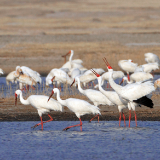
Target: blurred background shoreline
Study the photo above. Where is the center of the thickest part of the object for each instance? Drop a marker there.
(37, 33)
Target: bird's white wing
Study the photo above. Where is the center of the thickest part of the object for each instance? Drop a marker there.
(33, 74)
(140, 76)
(81, 107)
(135, 91)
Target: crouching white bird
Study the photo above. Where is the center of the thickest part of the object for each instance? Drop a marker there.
(40, 103)
(78, 106)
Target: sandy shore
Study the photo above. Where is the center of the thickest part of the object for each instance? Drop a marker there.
(10, 112)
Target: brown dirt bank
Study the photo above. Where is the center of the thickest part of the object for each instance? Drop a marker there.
(10, 112)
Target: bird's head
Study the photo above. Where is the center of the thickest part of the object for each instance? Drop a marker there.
(130, 60)
(15, 99)
(95, 73)
(71, 51)
(110, 69)
(17, 92)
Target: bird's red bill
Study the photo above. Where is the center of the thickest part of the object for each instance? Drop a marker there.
(72, 83)
(53, 78)
(51, 95)
(15, 99)
(106, 62)
(95, 73)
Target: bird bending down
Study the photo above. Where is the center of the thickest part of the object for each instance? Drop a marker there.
(128, 66)
(93, 95)
(138, 77)
(31, 73)
(23, 79)
(113, 97)
(40, 103)
(135, 93)
(78, 106)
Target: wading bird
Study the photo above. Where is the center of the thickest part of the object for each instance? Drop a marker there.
(135, 93)
(93, 95)
(78, 106)
(40, 103)
(113, 97)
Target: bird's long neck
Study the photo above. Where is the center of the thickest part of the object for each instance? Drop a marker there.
(70, 59)
(23, 101)
(115, 86)
(63, 102)
(106, 93)
(79, 87)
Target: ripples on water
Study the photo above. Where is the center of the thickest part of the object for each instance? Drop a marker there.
(104, 140)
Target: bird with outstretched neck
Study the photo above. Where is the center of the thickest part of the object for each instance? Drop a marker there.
(40, 103)
(78, 106)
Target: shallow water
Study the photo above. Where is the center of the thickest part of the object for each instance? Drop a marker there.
(7, 91)
(104, 140)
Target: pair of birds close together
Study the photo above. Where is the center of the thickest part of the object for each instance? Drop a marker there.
(129, 95)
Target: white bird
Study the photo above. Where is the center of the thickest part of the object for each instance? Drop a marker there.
(78, 106)
(24, 79)
(76, 63)
(113, 97)
(135, 93)
(150, 67)
(28, 71)
(40, 103)
(93, 95)
(105, 76)
(60, 76)
(138, 77)
(49, 79)
(88, 76)
(152, 58)
(128, 66)
(75, 72)
(10, 78)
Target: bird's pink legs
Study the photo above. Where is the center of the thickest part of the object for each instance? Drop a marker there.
(119, 119)
(128, 77)
(124, 119)
(74, 126)
(51, 119)
(135, 117)
(129, 117)
(95, 117)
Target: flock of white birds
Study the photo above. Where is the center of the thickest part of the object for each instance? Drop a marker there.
(137, 92)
